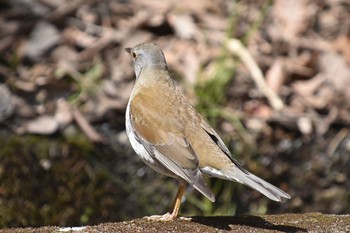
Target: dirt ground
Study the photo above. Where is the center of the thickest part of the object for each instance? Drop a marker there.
(313, 222)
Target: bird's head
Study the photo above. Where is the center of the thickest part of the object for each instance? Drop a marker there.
(147, 55)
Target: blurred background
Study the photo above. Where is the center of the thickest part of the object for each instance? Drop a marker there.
(272, 77)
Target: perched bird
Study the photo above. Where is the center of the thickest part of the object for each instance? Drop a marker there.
(171, 137)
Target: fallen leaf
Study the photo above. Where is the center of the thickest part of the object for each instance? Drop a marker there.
(184, 26)
(42, 125)
(63, 113)
(314, 92)
(305, 125)
(308, 87)
(78, 37)
(337, 71)
(276, 75)
(66, 60)
(342, 44)
(292, 16)
(43, 37)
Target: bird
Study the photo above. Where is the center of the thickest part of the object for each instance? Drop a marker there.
(170, 136)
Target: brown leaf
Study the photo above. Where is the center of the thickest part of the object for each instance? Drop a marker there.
(184, 26)
(314, 92)
(337, 71)
(42, 125)
(276, 75)
(25, 85)
(23, 109)
(342, 44)
(66, 60)
(78, 38)
(292, 16)
(63, 113)
(305, 125)
(105, 103)
(43, 37)
(308, 87)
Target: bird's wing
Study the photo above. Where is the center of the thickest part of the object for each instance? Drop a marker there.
(218, 141)
(242, 175)
(162, 136)
(175, 147)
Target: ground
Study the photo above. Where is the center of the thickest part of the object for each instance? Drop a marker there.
(312, 222)
(271, 77)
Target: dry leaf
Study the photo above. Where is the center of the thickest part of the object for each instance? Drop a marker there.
(314, 92)
(308, 87)
(276, 75)
(342, 44)
(305, 125)
(78, 38)
(184, 26)
(63, 114)
(337, 71)
(292, 16)
(42, 125)
(43, 37)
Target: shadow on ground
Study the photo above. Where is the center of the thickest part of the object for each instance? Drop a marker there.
(229, 223)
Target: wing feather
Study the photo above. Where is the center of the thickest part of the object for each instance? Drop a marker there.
(168, 145)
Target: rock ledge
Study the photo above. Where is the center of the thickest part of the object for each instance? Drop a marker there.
(311, 222)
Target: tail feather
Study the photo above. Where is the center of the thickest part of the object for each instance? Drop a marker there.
(199, 184)
(261, 185)
(249, 179)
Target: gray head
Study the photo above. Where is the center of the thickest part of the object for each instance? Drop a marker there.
(147, 55)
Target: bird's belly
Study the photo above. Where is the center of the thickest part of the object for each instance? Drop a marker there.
(137, 146)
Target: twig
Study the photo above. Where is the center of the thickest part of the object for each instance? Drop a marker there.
(236, 47)
(64, 9)
(339, 138)
(85, 126)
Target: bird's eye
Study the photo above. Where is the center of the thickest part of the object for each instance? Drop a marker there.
(134, 55)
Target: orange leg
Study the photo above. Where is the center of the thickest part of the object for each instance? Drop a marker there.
(177, 201)
(175, 206)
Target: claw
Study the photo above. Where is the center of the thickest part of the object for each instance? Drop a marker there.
(165, 218)
(161, 218)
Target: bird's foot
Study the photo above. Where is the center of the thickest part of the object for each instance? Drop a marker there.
(161, 218)
(165, 218)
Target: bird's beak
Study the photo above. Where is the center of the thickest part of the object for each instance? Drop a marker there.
(128, 50)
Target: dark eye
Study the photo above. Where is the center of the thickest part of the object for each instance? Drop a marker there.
(134, 55)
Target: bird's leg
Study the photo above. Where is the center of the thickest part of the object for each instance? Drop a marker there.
(177, 201)
(175, 206)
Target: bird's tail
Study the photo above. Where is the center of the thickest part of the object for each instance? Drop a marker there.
(259, 184)
(241, 175)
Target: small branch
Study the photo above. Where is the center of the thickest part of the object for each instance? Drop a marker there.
(236, 47)
(337, 140)
(85, 126)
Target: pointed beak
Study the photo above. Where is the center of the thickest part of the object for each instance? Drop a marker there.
(128, 50)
